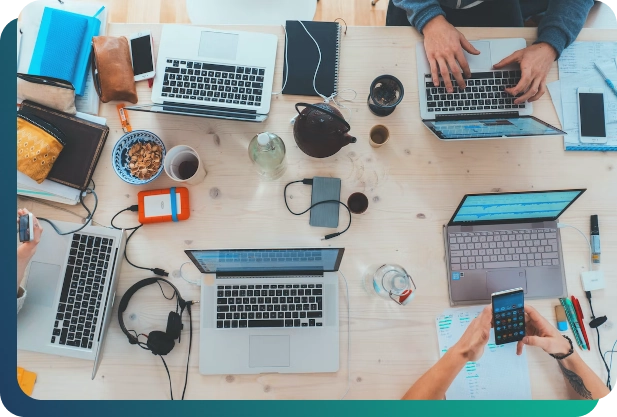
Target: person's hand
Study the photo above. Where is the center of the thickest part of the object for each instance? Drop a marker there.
(535, 62)
(471, 344)
(539, 332)
(444, 48)
(38, 230)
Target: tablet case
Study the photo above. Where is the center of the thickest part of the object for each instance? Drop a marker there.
(325, 215)
(302, 58)
(84, 142)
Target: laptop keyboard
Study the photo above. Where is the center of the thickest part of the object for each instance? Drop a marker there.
(484, 91)
(269, 305)
(200, 81)
(503, 249)
(82, 290)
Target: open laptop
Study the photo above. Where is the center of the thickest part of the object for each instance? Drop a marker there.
(269, 310)
(71, 285)
(212, 73)
(495, 242)
(483, 110)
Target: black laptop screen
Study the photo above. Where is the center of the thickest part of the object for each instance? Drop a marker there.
(266, 260)
(528, 206)
(490, 128)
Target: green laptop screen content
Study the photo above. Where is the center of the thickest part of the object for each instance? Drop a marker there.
(491, 128)
(514, 206)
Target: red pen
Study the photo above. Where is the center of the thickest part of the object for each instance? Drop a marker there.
(580, 317)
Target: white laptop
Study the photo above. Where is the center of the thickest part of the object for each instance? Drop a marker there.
(212, 73)
(71, 286)
(483, 110)
(269, 311)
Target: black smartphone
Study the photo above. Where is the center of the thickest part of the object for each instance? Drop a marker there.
(508, 315)
(26, 228)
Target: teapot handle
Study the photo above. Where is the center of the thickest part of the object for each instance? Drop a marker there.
(328, 112)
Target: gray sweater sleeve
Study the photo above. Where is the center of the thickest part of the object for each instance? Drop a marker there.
(419, 12)
(562, 22)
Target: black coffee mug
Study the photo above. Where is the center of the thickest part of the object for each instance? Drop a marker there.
(357, 203)
(385, 94)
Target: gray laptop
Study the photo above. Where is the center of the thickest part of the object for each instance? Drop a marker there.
(269, 311)
(71, 285)
(495, 242)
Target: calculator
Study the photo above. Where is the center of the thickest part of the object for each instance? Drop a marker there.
(508, 315)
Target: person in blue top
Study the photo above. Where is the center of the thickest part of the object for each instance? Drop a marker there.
(561, 21)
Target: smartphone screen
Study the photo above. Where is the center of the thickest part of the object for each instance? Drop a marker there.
(24, 228)
(509, 316)
(142, 55)
(591, 108)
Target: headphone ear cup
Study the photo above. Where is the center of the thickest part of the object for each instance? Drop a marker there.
(160, 343)
(174, 325)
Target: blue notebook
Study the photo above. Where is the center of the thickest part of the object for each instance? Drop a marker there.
(63, 46)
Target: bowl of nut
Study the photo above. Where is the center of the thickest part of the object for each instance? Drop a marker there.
(138, 157)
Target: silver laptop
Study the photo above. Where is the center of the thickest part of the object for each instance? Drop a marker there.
(483, 110)
(495, 242)
(269, 311)
(212, 73)
(71, 285)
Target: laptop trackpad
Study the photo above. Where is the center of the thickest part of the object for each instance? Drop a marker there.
(42, 284)
(480, 62)
(506, 279)
(269, 351)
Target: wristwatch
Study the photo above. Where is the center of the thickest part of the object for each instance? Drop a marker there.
(571, 351)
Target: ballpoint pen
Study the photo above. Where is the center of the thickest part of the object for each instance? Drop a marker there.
(606, 79)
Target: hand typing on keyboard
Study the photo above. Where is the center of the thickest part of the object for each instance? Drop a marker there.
(535, 62)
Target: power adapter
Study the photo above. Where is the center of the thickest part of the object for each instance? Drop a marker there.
(592, 280)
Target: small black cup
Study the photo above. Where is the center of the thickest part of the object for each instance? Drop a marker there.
(357, 203)
(385, 94)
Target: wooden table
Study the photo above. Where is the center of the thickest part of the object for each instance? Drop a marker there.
(414, 183)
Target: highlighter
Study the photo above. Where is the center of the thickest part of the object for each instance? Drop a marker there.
(595, 239)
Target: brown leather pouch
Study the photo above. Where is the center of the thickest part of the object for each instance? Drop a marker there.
(112, 69)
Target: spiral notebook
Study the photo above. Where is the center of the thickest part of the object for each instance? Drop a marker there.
(302, 58)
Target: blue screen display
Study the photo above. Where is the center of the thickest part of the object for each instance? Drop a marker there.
(514, 206)
(491, 128)
(508, 302)
(318, 260)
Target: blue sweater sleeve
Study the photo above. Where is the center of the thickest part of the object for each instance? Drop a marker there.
(562, 22)
(419, 12)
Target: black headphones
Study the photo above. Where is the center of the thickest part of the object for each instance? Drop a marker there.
(158, 342)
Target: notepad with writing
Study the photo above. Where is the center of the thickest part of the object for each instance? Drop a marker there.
(302, 58)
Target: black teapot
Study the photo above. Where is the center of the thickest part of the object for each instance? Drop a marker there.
(320, 130)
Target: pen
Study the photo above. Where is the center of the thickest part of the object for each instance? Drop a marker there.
(580, 317)
(576, 328)
(595, 239)
(608, 81)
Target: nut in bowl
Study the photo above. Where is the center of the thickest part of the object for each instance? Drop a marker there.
(138, 156)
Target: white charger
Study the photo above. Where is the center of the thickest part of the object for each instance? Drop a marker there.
(592, 280)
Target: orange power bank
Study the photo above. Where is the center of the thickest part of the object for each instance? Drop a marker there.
(157, 206)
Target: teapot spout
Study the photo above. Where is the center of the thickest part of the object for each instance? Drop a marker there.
(349, 139)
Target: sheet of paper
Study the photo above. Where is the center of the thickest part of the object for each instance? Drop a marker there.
(27, 186)
(499, 375)
(576, 69)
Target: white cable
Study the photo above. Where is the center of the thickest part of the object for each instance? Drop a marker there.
(562, 225)
(348, 338)
(187, 280)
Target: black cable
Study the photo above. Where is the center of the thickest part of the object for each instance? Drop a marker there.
(88, 218)
(308, 181)
(171, 392)
(186, 377)
(593, 317)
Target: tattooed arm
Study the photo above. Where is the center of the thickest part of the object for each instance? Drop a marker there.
(581, 381)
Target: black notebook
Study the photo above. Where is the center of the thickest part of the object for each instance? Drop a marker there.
(302, 58)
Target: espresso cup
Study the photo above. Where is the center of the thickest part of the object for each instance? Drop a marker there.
(378, 136)
(183, 164)
(357, 203)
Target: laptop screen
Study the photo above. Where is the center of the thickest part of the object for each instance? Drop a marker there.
(502, 127)
(266, 260)
(522, 207)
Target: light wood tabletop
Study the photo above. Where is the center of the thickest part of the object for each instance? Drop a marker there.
(414, 183)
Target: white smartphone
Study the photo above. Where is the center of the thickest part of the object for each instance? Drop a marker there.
(591, 115)
(142, 55)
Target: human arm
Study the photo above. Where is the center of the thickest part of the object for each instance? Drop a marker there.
(581, 381)
(26, 250)
(470, 347)
(558, 28)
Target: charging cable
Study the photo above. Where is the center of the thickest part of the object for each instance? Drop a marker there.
(87, 220)
(134, 208)
(309, 181)
(595, 322)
